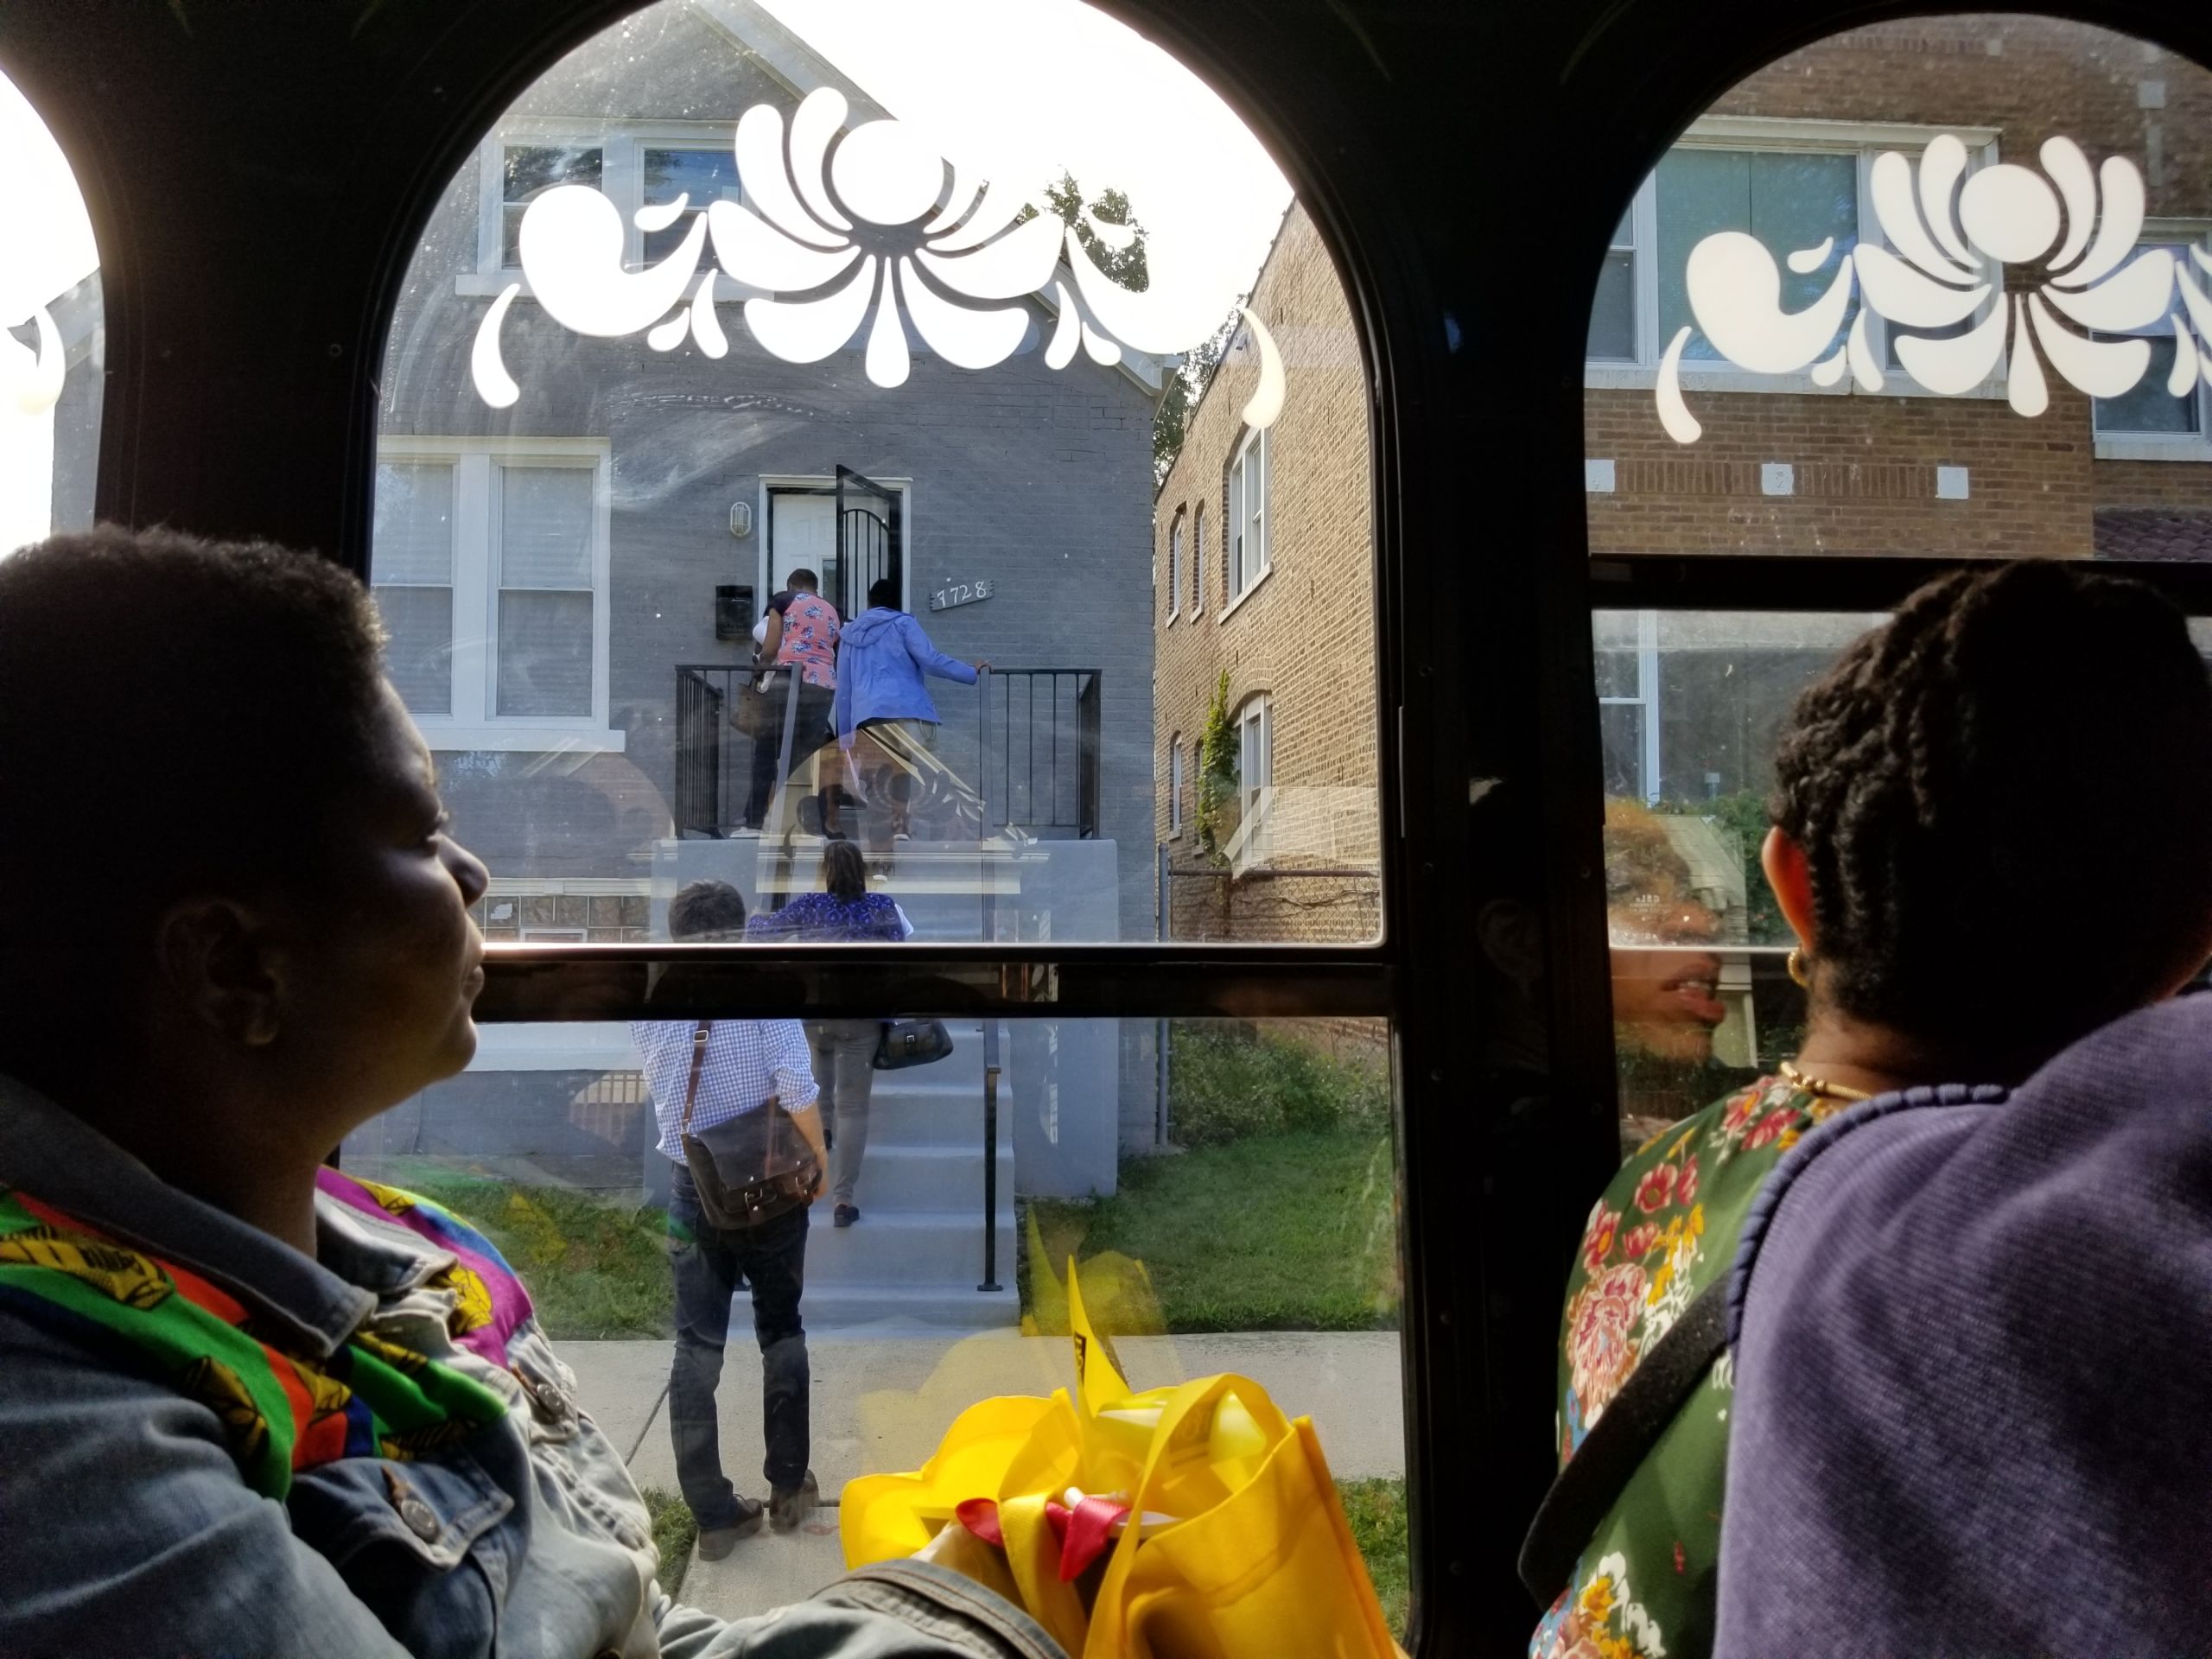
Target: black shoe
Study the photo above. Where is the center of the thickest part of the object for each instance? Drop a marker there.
(787, 1510)
(716, 1542)
(846, 1215)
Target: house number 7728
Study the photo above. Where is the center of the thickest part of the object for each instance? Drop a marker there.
(959, 592)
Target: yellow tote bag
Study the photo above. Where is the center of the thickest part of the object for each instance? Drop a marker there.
(1269, 1569)
(880, 1517)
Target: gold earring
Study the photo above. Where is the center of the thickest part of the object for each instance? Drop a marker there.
(1799, 969)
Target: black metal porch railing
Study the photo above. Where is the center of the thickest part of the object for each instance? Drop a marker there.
(1027, 741)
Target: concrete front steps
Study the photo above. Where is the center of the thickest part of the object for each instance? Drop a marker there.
(914, 1259)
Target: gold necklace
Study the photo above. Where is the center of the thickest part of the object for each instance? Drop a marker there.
(1822, 1086)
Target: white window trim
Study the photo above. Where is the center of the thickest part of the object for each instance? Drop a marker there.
(621, 179)
(909, 542)
(1865, 139)
(1253, 438)
(2165, 446)
(472, 725)
(1176, 551)
(1175, 786)
(1647, 699)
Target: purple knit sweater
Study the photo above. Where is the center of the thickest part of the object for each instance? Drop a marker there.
(1973, 1400)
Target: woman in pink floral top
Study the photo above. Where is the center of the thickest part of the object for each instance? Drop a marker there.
(1940, 940)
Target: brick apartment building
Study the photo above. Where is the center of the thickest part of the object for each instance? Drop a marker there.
(1783, 465)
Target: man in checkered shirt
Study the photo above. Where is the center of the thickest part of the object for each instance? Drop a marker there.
(747, 1061)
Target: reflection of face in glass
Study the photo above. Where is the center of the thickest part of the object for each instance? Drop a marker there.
(1664, 984)
(1664, 1000)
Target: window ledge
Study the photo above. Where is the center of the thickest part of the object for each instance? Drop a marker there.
(522, 738)
(1629, 377)
(2120, 447)
(1258, 582)
(1170, 622)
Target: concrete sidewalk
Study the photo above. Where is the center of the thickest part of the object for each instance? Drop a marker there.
(883, 1397)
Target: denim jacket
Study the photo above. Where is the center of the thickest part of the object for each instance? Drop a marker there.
(127, 1527)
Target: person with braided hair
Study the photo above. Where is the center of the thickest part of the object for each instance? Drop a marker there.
(1943, 796)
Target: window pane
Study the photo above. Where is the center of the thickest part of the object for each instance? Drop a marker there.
(1618, 674)
(1620, 727)
(56, 343)
(1790, 202)
(704, 175)
(1282, 1141)
(414, 523)
(545, 654)
(622, 530)
(529, 170)
(545, 527)
(1771, 437)
(1612, 317)
(2150, 407)
(419, 655)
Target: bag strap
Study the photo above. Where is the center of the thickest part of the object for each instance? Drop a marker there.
(698, 1061)
(1587, 1489)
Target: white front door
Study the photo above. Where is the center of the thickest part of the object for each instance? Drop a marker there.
(802, 535)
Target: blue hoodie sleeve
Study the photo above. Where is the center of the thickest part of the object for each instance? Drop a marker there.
(931, 660)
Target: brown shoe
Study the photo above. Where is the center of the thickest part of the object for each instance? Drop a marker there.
(845, 1215)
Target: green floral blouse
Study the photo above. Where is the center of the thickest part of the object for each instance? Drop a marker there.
(1665, 1230)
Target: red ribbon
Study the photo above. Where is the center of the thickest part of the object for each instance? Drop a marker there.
(1084, 1532)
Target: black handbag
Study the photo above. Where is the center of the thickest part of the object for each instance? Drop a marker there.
(750, 1168)
(910, 1042)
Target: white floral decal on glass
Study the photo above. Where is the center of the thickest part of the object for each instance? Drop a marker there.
(871, 228)
(1951, 235)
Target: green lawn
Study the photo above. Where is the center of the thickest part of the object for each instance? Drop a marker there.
(1286, 1231)
(675, 1531)
(1376, 1510)
(595, 1269)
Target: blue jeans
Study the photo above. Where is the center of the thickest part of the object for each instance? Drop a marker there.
(708, 1266)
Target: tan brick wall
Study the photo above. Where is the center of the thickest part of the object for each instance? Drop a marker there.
(1303, 634)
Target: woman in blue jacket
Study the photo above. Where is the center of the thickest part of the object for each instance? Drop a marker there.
(882, 656)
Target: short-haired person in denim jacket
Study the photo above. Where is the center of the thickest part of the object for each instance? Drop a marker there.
(249, 1405)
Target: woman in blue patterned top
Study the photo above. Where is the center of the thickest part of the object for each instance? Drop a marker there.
(844, 1050)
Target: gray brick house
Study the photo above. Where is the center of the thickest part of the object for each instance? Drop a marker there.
(553, 572)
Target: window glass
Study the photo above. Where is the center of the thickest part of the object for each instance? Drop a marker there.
(1937, 286)
(53, 335)
(695, 175)
(1788, 201)
(1612, 316)
(527, 172)
(1701, 999)
(414, 589)
(752, 287)
(1175, 565)
(1240, 1217)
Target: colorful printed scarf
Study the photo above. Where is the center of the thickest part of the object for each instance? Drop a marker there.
(281, 1412)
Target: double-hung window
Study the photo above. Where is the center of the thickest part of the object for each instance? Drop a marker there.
(638, 166)
(695, 172)
(526, 170)
(1628, 716)
(1247, 537)
(1802, 189)
(1175, 565)
(2149, 422)
(490, 565)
